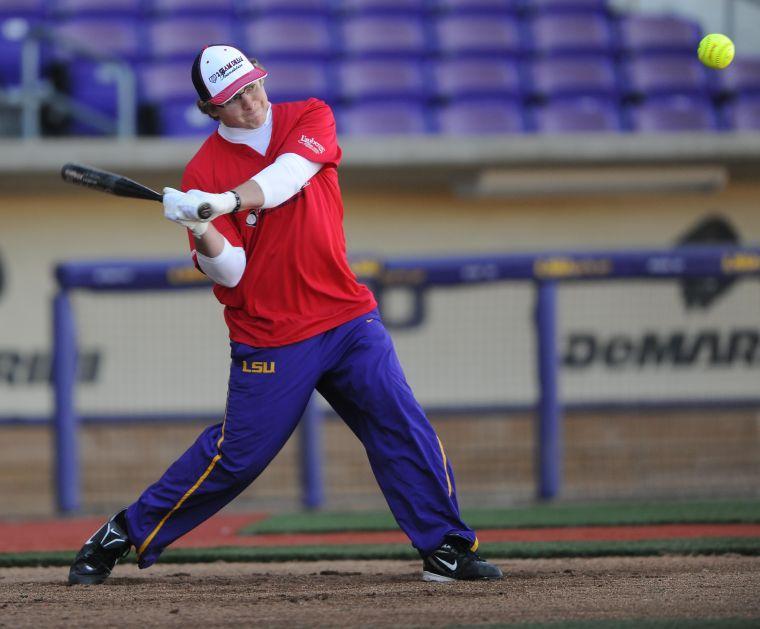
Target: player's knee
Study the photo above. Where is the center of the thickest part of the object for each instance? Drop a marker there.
(241, 472)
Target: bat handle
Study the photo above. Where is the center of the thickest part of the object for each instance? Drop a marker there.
(204, 210)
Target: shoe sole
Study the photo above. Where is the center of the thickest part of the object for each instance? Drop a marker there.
(436, 578)
(87, 579)
(439, 578)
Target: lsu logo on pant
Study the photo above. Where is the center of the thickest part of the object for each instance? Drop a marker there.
(258, 366)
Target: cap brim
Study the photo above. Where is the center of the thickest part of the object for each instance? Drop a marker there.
(233, 88)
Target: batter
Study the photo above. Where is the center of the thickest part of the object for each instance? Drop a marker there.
(298, 321)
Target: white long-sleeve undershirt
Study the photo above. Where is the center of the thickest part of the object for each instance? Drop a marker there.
(285, 177)
(227, 268)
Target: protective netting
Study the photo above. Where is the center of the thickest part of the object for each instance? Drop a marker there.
(661, 399)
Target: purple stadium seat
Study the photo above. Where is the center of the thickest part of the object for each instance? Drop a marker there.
(571, 33)
(288, 36)
(377, 6)
(477, 6)
(741, 77)
(120, 36)
(578, 115)
(675, 113)
(383, 118)
(478, 34)
(744, 114)
(573, 76)
(658, 33)
(269, 7)
(474, 117)
(182, 119)
(23, 8)
(375, 78)
(72, 7)
(10, 60)
(92, 84)
(567, 5)
(298, 80)
(218, 7)
(665, 74)
(184, 37)
(159, 82)
(492, 76)
(384, 34)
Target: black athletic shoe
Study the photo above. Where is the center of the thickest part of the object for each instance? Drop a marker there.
(457, 560)
(101, 552)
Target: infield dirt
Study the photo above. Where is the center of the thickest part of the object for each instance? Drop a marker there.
(384, 593)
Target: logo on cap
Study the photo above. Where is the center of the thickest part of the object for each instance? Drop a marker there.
(229, 68)
(220, 71)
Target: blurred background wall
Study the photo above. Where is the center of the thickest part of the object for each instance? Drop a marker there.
(619, 186)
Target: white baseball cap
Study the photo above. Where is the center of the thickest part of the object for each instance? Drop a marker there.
(220, 72)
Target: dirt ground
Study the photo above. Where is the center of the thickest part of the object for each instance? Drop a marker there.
(384, 593)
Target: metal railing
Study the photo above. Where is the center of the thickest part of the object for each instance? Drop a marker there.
(36, 92)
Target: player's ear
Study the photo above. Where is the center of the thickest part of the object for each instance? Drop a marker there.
(207, 108)
(256, 64)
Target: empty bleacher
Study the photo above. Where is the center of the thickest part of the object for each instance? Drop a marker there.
(403, 66)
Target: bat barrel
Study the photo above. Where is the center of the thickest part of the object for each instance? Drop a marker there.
(107, 182)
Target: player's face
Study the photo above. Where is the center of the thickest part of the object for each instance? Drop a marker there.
(247, 109)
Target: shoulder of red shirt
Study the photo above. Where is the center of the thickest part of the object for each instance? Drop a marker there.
(312, 110)
(196, 174)
(310, 105)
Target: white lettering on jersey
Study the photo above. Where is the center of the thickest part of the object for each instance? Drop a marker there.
(312, 144)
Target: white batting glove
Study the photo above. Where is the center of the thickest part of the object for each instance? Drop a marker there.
(197, 227)
(223, 203)
(179, 207)
(184, 206)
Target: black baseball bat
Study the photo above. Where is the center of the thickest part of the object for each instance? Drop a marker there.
(116, 184)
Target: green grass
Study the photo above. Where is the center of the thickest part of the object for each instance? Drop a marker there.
(501, 550)
(717, 511)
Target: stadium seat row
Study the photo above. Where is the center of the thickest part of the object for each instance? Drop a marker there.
(557, 77)
(66, 7)
(490, 116)
(515, 64)
(393, 39)
(362, 80)
(385, 35)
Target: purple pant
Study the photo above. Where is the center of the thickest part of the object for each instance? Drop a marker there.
(355, 368)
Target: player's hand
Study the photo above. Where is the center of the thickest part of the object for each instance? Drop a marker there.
(223, 203)
(182, 208)
(185, 205)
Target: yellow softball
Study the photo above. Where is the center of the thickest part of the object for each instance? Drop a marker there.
(716, 51)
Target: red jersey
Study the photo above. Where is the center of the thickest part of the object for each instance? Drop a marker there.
(297, 282)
